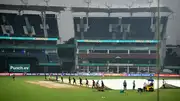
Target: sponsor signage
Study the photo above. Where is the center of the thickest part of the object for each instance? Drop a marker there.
(114, 64)
(87, 74)
(118, 41)
(19, 68)
(28, 74)
(168, 75)
(34, 74)
(113, 74)
(16, 74)
(4, 74)
(70, 74)
(41, 73)
(140, 75)
(95, 74)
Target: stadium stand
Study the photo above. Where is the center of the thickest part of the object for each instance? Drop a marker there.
(103, 46)
(53, 57)
(29, 26)
(172, 58)
(126, 28)
(89, 57)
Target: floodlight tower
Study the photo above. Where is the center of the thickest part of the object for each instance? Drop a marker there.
(43, 13)
(88, 2)
(130, 6)
(109, 8)
(150, 2)
(152, 15)
(47, 2)
(24, 2)
(126, 27)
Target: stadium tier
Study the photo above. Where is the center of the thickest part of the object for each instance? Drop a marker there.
(117, 58)
(27, 25)
(172, 57)
(126, 28)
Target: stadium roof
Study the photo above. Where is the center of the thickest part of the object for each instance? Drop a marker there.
(121, 10)
(31, 8)
(82, 9)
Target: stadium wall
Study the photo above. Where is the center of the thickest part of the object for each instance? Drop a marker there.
(20, 61)
(6, 61)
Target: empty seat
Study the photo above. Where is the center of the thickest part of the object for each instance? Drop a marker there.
(53, 57)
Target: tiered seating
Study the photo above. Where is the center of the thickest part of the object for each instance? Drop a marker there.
(33, 21)
(98, 27)
(172, 57)
(13, 53)
(40, 55)
(28, 25)
(53, 58)
(42, 58)
(53, 26)
(141, 28)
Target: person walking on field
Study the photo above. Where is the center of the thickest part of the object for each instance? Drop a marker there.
(62, 79)
(69, 80)
(144, 86)
(102, 84)
(87, 83)
(13, 77)
(93, 84)
(125, 84)
(74, 81)
(97, 84)
(164, 83)
(134, 85)
(56, 77)
(80, 81)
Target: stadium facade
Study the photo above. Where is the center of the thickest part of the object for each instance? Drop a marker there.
(113, 44)
(26, 43)
(103, 44)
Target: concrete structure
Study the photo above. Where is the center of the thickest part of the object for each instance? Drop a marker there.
(172, 29)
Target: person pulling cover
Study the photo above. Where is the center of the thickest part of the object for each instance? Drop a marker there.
(87, 83)
(134, 85)
(164, 83)
(125, 84)
(80, 81)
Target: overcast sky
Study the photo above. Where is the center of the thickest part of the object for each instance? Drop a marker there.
(173, 28)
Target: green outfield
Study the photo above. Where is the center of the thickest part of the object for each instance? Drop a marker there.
(19, 90)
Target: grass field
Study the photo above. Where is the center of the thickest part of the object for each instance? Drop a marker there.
(19, 90)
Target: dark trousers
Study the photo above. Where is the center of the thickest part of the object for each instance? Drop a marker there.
(124, 87)
(133, 87)
(144, 88)
(164, 86)
(93, 86)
